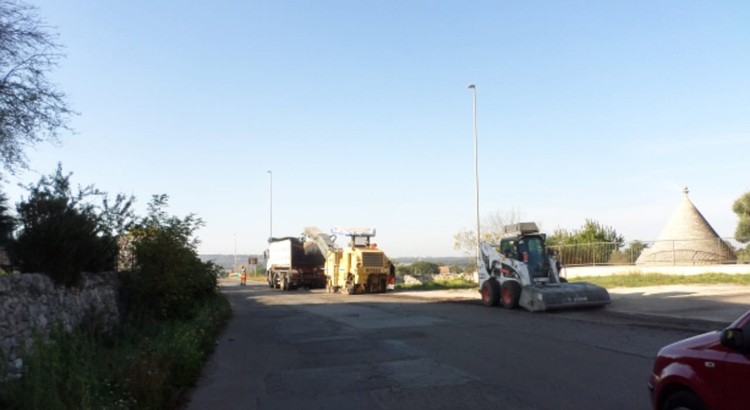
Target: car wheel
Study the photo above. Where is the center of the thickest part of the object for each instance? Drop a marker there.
(683, 400)
(490, 292)
(510, 294)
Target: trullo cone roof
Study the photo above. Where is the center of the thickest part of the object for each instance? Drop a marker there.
(688, 239)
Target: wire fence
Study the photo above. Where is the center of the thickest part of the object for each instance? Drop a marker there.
(670, 252)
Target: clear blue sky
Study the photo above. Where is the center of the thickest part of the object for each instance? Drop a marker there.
(590, 109)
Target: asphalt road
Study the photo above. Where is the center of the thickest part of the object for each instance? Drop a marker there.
(312, 350)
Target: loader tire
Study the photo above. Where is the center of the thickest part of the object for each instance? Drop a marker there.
(490, 292)
(510, 294)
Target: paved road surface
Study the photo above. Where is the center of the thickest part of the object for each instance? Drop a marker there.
(312, 350)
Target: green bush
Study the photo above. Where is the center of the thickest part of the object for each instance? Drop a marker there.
(61, 233)
(169, 276)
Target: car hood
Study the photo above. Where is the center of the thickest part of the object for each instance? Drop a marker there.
(706, 341)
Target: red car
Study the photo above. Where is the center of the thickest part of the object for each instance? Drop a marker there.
(708, 371)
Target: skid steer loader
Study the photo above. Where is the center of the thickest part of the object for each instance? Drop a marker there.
(520, 271)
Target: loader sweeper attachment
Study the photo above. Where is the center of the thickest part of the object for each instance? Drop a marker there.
(521, 272)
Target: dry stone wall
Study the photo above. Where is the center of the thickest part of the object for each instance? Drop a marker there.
(32, 303)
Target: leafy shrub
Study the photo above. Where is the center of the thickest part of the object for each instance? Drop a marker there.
(169, 276)
(63, 234)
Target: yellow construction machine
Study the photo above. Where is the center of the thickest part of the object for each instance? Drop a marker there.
(358, 267)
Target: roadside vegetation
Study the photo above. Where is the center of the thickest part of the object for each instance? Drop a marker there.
(142, 366)
(657, 279)
(455, 283)
(172, 311)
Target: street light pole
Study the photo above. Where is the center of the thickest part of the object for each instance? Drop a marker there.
(270, 204)
(476, 164)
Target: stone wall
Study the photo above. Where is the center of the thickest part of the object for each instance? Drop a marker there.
(31, 302)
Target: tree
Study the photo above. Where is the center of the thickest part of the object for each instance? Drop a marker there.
(425, 268)
(492, 229)
(32, 109)
(7, 225)
(599, 243)
(170, 279)
(403, 270)
(634, 250)
(628, 255)
(741, 207)
(63, 233)
(455, 268)
(7, 222)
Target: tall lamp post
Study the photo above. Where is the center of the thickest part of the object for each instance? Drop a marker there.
(270, 204)
(235, 254)
(476, 164)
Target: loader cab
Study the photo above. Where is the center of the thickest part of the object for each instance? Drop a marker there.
(360, 241)
(528, 249)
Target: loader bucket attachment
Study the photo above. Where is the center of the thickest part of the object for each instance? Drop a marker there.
(541, 297)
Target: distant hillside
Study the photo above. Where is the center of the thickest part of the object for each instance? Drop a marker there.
(442, 261)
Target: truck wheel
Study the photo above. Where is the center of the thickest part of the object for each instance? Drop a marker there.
(510, 294)
(490, 292)
(269, 279)
(683, 400)
(285, 283)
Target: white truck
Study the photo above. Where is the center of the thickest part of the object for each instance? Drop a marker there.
(292, 263)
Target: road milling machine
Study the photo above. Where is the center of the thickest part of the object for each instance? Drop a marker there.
(358, 267)
(522, 271)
